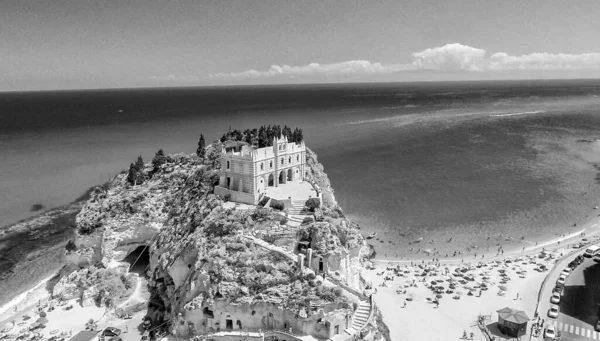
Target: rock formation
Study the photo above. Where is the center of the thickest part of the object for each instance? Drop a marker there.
(207, 269)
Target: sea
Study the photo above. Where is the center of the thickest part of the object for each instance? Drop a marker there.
(439, 165)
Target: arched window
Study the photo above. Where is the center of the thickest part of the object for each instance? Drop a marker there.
(262, 166)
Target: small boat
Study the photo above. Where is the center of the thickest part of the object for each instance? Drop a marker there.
(418, 240)
(372, 235)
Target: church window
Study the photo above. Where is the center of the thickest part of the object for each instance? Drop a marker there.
(262, 166)
(271, 164)
(228, 165)
(290, 159)
(298, 158)
(282, 161)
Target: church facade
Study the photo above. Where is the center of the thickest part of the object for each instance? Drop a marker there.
(247, 172)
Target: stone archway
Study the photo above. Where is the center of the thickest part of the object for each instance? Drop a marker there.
(271, 180)
(290, 175)
(282, 177)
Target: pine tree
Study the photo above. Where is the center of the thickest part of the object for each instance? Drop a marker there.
(287, 132)
(300, 136)
(139, 164)
(132, 175)
(140, 175)
(201, 147)
(159, 159)
(262, 137)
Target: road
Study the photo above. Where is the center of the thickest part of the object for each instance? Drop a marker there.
(579, 303)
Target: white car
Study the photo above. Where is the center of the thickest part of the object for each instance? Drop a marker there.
(566, 272)
(561, 280)
(553, 311)
(555, 298)
(550, 332)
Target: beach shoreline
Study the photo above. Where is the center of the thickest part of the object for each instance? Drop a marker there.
(590, 228)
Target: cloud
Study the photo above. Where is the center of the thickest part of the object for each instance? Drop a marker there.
(453, 57)
(347, 68)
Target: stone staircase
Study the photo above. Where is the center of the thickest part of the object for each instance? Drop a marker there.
(361, 315)
(295, 215)
(297, 206)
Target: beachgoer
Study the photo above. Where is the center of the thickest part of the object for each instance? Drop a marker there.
(404, 304)
(472, 335)
(464, 335)
(517, 296)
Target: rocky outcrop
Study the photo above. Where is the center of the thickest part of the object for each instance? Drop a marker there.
(205, 269)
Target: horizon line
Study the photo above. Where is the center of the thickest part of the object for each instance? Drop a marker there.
(167, 87)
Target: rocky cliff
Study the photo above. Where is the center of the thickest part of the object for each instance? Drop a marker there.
(204, 256)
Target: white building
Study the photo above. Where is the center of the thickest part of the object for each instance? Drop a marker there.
(246, 171)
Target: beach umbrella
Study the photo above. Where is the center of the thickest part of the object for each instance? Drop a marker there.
(35, 325)
(460, 293)
(439, 296)
(42, 320)
(42, 314)
(503, 287)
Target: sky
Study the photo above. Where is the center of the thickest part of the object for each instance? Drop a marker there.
(80, 44)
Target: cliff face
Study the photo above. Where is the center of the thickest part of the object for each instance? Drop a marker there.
(206, 264)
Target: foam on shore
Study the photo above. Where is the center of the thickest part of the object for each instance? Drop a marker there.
(33, 293)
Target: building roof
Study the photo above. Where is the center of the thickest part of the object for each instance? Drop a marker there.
(85, 335)
(513, 315)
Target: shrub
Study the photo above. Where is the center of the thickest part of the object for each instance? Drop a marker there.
(71, 246)
(263, 201)
(312, 203)
(277, 205)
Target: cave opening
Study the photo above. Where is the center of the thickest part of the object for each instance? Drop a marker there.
(208, 313)
(139, 259)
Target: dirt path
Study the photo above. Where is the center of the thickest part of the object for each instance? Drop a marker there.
(135, 296)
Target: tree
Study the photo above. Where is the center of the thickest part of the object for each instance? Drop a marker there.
(262, 137)
(139, 164)
(201, 147)
(159, 159)
(140, 174)
(287, 132)
(297, 135)
(132, 175)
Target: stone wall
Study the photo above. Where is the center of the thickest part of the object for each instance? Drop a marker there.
(266, 316)
(245, 198)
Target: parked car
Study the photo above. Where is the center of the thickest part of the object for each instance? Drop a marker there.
(562, 279)
(555, 298)
(566, 272)
(110, 333)
(573, 265)
(553, 311)
(145, 335)
(550, 332)
(558, 288)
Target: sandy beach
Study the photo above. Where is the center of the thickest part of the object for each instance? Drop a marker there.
(512, 279)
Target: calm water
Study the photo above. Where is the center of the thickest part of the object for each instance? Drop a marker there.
(407, 160)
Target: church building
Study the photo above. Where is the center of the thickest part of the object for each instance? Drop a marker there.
(246, 172)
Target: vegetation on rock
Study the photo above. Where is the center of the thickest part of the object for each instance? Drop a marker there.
(263, 136)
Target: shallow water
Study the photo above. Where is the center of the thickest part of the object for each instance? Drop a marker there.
(429, 160)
